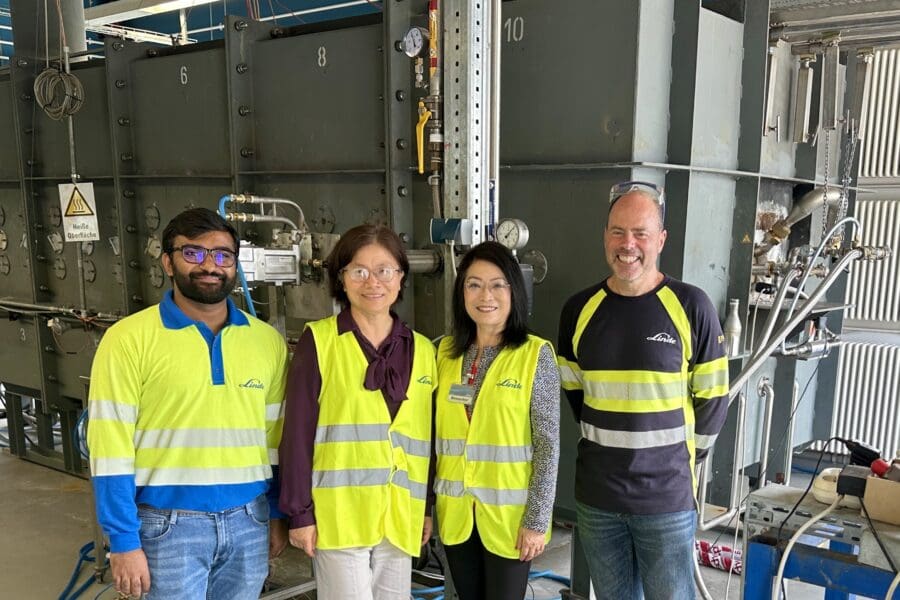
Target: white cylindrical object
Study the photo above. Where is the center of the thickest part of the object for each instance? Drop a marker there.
(732, 329)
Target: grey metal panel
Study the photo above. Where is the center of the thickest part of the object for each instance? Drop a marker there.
(653, 70)
(180, 128)
(8, 155)
(49, 145)
(19, 354)
(17, 284)
(569, 82)
(717, 111)
(311, 117)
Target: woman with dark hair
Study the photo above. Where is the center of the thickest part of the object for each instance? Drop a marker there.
(497, 431)
(356, 447)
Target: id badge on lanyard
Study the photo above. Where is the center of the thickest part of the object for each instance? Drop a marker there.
(461, 393)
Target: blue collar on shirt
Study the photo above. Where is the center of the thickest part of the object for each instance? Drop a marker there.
(174, 318)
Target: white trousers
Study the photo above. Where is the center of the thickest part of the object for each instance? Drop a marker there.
(379, 573)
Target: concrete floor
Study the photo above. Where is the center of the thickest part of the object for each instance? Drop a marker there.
(45, 519)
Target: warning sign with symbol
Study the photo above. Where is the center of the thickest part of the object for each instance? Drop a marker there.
(79, 212)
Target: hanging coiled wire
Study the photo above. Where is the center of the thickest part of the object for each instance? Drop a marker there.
(60, 94)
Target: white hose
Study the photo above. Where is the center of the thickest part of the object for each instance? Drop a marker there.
(776, 590)
(893, 588)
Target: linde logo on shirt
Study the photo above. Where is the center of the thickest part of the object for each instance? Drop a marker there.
(663, 337)
(424, 379)
(510, 383)
(253, 383)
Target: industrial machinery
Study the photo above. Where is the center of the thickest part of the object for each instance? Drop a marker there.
(297, 133)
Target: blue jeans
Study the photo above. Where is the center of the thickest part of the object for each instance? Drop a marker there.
(626, 553)
(213, 556)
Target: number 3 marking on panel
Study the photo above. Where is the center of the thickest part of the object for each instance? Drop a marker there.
(184, 78)
(323, 57)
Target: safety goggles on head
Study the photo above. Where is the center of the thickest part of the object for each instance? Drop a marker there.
(223, 257)
(656, 192)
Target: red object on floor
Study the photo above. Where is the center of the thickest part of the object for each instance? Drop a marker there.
(719, 557)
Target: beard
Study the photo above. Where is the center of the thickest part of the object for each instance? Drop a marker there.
(203, 293)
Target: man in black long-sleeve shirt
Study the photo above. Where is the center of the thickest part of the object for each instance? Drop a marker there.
(644, 369)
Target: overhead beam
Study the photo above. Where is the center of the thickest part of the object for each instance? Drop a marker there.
(125, 10)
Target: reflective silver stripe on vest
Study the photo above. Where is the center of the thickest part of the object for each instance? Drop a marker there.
(416, 490)
(111, 466)
(455, 489)
(410, 445)
(351, 433)
(349, 477)
(450, 447)
(112, 410)
(633, 439)
(704, 442)
(449, 487)
(499, 497)
(635, 391)
(498, 454)
(201, 475)
(199, 438)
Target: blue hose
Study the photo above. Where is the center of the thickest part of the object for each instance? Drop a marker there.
(83, 557)
(549, 575)
(222, 202)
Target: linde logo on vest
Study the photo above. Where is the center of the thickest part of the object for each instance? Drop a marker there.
(424, 379)
(255, 384)
(510, 383)
(663, 337)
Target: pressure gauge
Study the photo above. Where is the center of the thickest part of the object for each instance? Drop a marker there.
(3, 240)
(154, 247)
(90, 271)
(414, 42)
(512, 233)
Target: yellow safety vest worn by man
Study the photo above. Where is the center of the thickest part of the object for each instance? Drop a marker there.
(485, 463)
(369, 474)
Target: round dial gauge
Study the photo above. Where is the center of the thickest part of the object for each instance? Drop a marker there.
(512, 233)
(154, 247)
(414, 42)
(3, 240)
(538, 263)
(157, 277)
(90, 271)
(151, 217)
(59, 268)
(87, 247)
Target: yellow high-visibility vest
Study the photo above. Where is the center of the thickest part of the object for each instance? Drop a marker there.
(485, 463)
(369, 475)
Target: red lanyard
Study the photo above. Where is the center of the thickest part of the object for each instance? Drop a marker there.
(470, 378)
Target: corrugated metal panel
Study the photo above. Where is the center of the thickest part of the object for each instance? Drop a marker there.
(868, 387)
(880, 150)
(874, 288)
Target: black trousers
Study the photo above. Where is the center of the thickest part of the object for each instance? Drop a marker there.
(480, 575)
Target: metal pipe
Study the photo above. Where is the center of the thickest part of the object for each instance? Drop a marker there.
(79, 256)
(494, 170)
(14, 306)
(254, 218)
(789, 443)
(308, 11)
(736, 480)
(776, 305)
(251, 199)
(424, 261)
(182, 21)
(760, 357)
(767, 392)
(816, 254)
(802, 208)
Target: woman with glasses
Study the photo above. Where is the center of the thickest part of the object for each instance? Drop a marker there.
(356, 447)
(497, 431)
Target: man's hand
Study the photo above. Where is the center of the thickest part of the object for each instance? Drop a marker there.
(278, 537)
(305, 538)
(427, 528)
(530, 543)
(130, 573)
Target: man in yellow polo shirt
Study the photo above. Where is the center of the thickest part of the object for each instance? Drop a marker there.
(185, 419)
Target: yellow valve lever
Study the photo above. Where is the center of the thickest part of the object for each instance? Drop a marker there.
(424, 115)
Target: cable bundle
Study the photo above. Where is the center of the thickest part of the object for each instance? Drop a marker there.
(60, 94)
